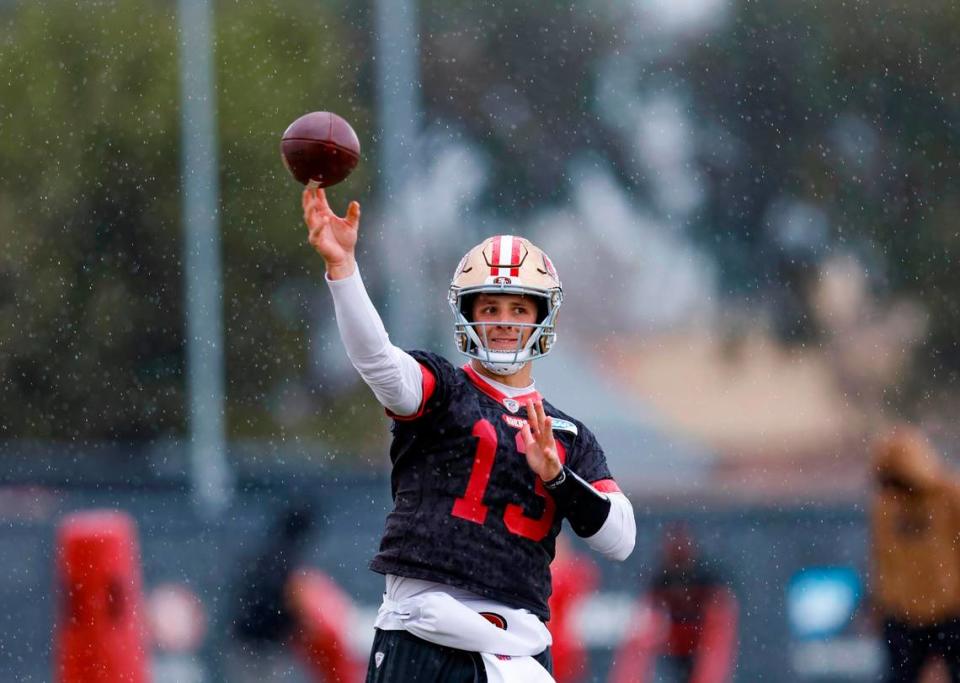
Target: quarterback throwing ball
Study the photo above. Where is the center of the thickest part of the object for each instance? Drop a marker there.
(484, 469)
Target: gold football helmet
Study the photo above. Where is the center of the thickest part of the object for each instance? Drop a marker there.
(505, 264)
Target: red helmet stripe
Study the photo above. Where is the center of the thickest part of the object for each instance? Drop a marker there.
(515, 258)
(495, 257)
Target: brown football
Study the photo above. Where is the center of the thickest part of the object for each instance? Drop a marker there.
(320, 148)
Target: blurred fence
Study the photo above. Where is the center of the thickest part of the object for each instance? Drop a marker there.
(759, 547)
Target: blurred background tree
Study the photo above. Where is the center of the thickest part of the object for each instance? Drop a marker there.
(771, 136)
(92, 340)
(92, 301)
(843, 120)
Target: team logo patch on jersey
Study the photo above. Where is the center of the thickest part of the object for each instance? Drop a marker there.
(495, 619)
(378, 659)
(512, 405)
(564, 426)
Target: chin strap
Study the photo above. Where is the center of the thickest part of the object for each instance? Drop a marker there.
(503, 369)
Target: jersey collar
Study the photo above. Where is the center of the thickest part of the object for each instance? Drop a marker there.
(513, 403)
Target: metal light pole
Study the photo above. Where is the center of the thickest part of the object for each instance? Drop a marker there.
(398, 115)
(210, 475)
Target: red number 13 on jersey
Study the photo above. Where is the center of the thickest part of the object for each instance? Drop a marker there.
(470, 506)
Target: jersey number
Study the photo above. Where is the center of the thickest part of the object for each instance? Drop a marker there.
(470, 506)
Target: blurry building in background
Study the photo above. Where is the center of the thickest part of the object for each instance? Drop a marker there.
(781, 419)
(644, 453)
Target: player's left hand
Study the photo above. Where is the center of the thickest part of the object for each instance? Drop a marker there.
(541, 448)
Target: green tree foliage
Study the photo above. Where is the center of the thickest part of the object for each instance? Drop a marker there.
(91, 302)
(520, 79)
(278, 60)
(91, 331)
(849, 107)
(853, 107)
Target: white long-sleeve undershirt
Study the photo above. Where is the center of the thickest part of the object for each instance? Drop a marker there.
(392, 373)
(618, 535)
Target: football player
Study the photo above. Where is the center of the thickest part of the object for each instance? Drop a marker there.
(484, 469)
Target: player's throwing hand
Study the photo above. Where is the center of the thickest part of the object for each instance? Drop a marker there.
(541, 449)
(334, 238)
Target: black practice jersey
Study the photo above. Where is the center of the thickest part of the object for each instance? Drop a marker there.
(468, 510)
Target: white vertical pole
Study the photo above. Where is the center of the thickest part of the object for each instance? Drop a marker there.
(210, 476)
(398, 115)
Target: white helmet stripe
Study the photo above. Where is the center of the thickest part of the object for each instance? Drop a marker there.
(515, 257)
(506, 249)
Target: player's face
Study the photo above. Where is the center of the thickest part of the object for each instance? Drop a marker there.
(501, 313)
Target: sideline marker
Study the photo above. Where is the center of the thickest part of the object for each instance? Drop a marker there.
(100, 635)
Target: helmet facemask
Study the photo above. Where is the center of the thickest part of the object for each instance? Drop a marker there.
(524, 270)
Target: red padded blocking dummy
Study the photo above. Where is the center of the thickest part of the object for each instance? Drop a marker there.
(100, 635)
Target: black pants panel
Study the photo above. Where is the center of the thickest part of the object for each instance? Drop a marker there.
(909, 648)
(404, 658)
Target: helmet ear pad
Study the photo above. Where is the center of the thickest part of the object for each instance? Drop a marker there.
(545, 341)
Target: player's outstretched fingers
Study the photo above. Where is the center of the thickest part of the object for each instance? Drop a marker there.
(353, 215)
(527, 437)
(533, 419)
(309, 208)
(322, 200)
(545, 422)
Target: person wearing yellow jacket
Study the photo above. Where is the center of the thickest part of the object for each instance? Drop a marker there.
(915, 545)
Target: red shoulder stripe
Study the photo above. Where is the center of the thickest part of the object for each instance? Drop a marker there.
(606, 486)
(429, 384)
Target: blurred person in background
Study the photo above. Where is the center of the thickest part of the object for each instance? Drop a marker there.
(484, 470)
(686, 628)
(915, 573)
(575, 577)
(262, 624)
(289, 621)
